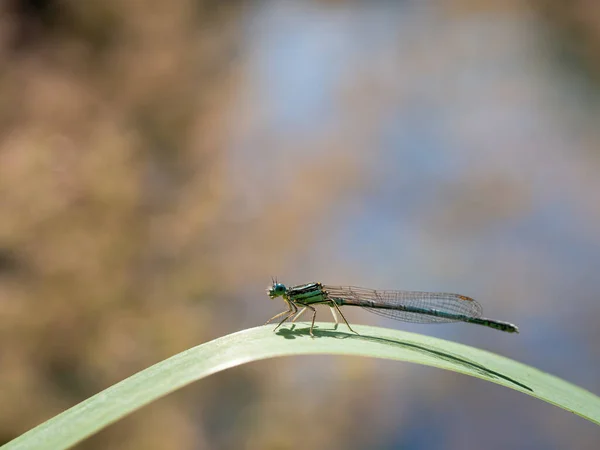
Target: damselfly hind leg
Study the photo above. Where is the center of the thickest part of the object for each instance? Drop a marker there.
(335, 317)
(343, 317)
(312, 325)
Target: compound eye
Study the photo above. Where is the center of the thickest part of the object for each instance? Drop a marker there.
(279, 289)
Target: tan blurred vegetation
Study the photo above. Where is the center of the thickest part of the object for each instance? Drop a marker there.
(114, 209)
(112, 118)
(119, 241)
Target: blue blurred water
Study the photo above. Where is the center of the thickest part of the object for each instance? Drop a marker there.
(479, 108)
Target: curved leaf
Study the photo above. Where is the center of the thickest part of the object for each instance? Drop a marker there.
(95, 413)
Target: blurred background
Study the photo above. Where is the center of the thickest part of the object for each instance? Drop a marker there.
(160, 161)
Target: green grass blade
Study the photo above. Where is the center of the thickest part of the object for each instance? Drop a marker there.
(95, 413)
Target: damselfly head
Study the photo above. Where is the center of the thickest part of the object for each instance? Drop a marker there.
(276, 290)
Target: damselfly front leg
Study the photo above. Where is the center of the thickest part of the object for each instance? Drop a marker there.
(278, 315)
(292, 309)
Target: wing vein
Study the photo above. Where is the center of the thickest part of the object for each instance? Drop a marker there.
(392, 304)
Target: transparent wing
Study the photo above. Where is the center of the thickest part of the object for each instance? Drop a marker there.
(391, 303)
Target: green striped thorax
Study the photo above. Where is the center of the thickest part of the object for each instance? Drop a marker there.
(301, 295)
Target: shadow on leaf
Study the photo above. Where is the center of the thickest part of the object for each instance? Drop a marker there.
(294, 333)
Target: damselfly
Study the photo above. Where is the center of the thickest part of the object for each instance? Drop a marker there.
(407, 306)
